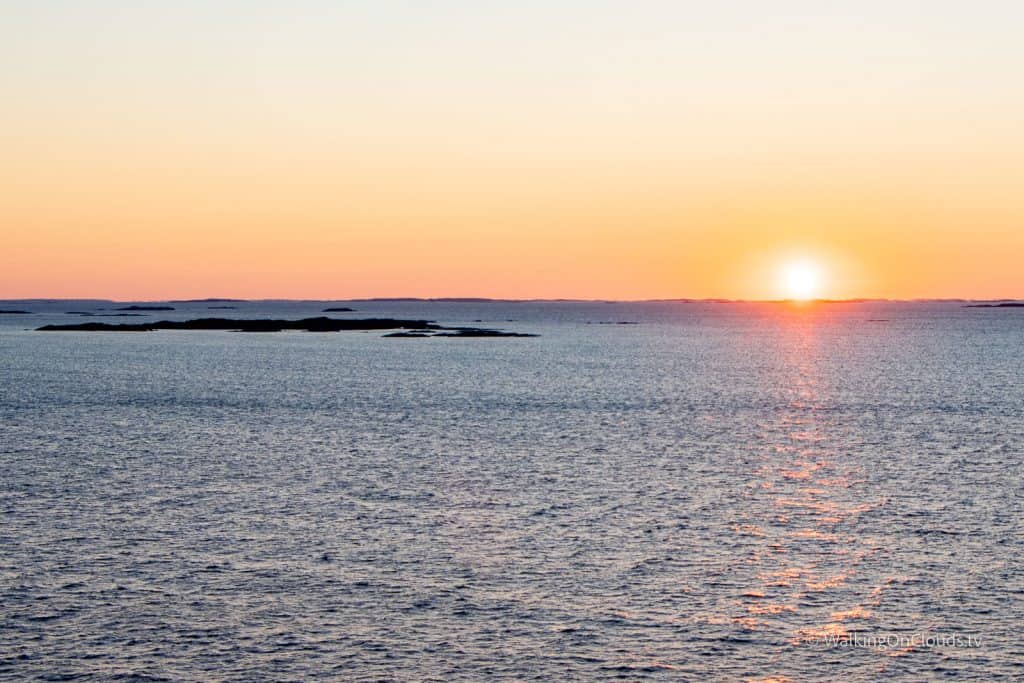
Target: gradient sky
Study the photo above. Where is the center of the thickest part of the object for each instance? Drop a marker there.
(533, 149)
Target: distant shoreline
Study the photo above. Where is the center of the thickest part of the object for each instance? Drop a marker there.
(487, 300)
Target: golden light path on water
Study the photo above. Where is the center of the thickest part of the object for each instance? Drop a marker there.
(804, 569)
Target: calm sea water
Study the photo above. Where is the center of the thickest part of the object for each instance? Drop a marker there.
(720, 492)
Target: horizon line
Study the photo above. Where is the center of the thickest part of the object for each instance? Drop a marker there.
(472, 299)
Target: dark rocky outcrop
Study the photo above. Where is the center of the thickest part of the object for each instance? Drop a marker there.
(306, 324)
(1004, 304)
(13, 312)
(480, 332)
(402, 327)
(95, 327)
(338, 309)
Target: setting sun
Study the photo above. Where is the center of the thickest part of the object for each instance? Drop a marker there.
(800, 280)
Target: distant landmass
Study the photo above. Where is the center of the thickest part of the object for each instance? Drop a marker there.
(145, 308)
(472, 300)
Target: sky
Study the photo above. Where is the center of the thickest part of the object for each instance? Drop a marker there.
(608, 150)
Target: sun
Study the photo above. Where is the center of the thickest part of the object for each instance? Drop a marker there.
(800, 280)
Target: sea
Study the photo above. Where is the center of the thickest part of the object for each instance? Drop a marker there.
(664, 491)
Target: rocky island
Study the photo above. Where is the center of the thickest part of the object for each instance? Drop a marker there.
(1003, 304)
(403, 328)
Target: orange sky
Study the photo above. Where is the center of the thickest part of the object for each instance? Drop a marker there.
(554, 149)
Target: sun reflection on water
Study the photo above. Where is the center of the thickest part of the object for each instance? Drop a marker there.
(806, 586)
